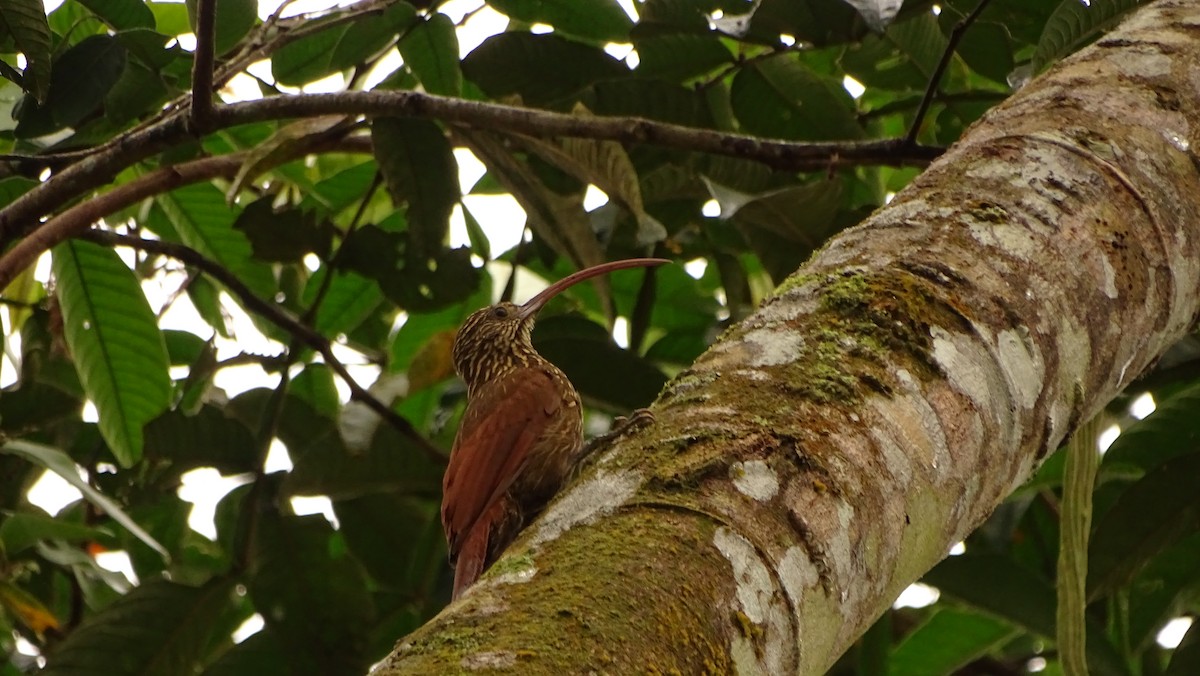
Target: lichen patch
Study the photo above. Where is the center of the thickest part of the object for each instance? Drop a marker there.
(1022, 364)
(590, 499)
(963, 370)
(500, 659)
(755, 591)
(754, 479)
(774, 346)
(752, 577)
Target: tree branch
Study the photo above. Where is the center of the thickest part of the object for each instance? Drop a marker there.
(80, 217)
(276, 316)
(98, 169)
(202, 66)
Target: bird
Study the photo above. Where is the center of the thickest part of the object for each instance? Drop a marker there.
(521, 434)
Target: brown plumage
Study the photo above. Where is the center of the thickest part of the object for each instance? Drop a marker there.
(520, 436)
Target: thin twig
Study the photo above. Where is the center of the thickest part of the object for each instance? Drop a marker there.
(935, 80)
(276, 316)
(202, 66)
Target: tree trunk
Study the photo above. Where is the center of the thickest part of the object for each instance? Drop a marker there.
(830, 449)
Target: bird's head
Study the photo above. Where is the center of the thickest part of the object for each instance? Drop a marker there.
(497, 338)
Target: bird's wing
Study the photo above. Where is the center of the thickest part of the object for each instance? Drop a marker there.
(502, 422)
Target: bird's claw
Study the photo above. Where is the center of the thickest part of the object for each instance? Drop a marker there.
(636, 421)
(621, 426)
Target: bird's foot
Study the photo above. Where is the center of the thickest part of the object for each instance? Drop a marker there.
(621, 426)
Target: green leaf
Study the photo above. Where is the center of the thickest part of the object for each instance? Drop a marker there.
(259, 655)
(138, 91)
(1168, 433)
(25, 21)
(283, 236)
(114, 338)
(680, 56)
(158, 628)
(234, 19)
(419, 166)
(558, 220)
(820, 22)
(602, 372)
(122, 14)
(783, 226)
(342, 189)
(421, 326)
(170, 18)
(390, 464)
(599, 20)
(177, 443)
(948, 640)
(1074, 24)
(430, 50)
(315, 385)
(1164, 586)
(398, 539)
(539, 68)
(607, 165)
(1148, 516)
(340, 46)
(82, 76)
(780, 97)
(987, 46)
(23, 530)
(903, 58)
(316, 599)
(61, 464)
(205, 223)
(1186, 659)
(1019, 596)
(349, 301)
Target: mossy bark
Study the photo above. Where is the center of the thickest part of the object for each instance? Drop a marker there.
(832, 447)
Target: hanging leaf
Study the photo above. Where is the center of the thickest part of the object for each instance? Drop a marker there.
(204, 222)
(25, 21)
(430, 50)
(1149, 515)
(23, 530)
(160, 627)
(538, 68)
(26, 608)
(1018, 596)
(114, 338)
(598, 20)
(82, 76)
(606, 165)
(1074, 24)
(61, 464)
(234, 19)
(419, 166)
(339, 47)
(948, 640)
(121, 14)
(283, 236)
(320, 611)
(604, 374)
(558, 220)
(780, 97)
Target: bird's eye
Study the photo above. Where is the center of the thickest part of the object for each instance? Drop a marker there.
(499, 312)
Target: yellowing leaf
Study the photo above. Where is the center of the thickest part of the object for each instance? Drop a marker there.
(30, 611)
(432, 363)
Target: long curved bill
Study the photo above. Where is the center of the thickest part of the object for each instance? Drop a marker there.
(534, 304)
